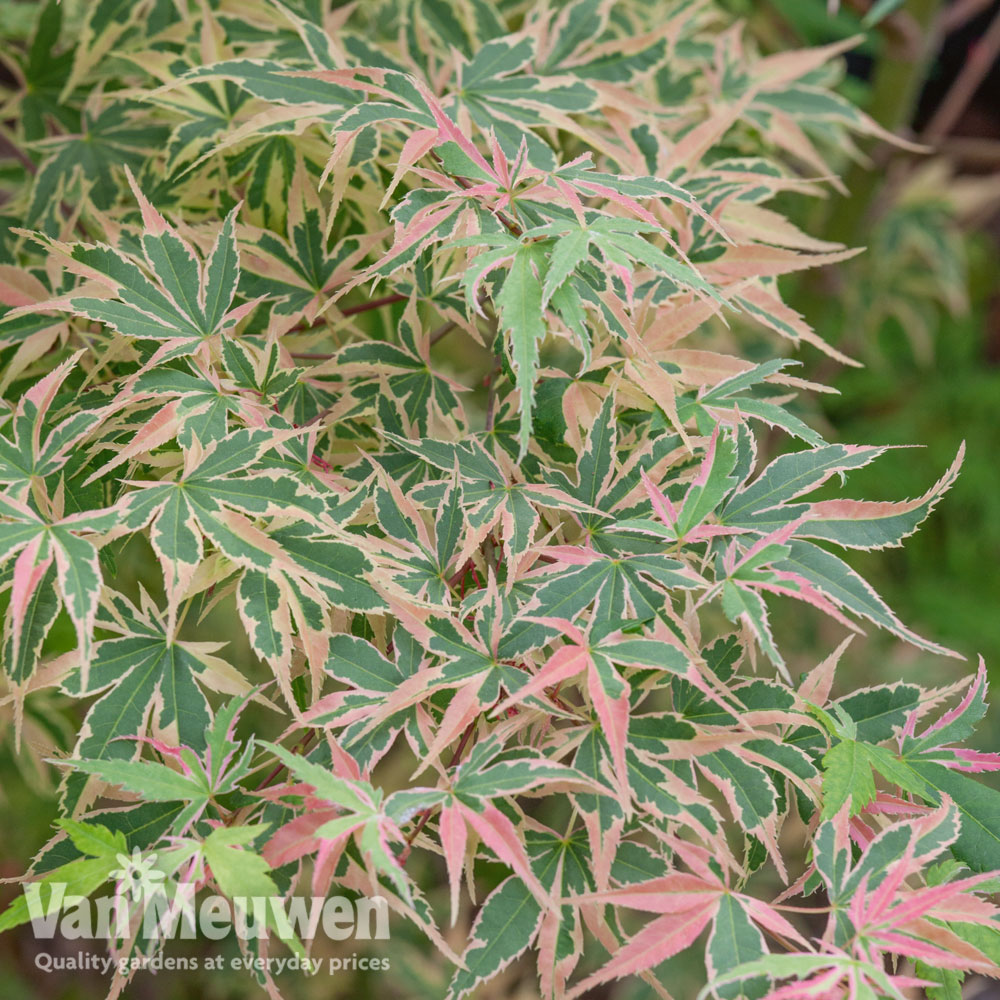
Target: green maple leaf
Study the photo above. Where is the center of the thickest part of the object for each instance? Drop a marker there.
(180, 303)
(143, 666)
(115, 136)
(102, 850)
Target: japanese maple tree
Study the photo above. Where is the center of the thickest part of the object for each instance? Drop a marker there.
(438, 348)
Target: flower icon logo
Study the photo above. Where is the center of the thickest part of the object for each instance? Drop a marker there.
(138, 875)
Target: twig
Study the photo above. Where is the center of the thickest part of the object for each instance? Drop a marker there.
(960, 12)
(895, 86)
(900, 29)
(489, 550)
(299, 748)
(322, 415)
(8, 145)
(361, 307)
(509, 224)
(436, 335)
(426, 814)
(973, 151)
(491, 397)
(386, 300)
(981, 58)
(443, 330)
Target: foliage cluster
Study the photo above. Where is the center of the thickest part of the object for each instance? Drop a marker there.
(243, 247)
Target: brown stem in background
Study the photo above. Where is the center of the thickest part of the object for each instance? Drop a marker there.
(960, 12)
(443, 330)
(895, 88)
(426, 814)
(896, 84)
(8, 145)
(386, 300)
(489, 550)
(436, 335)
(300, 748)
(238, 815)
(509, 224)
(981, 58)
(491, 397)
(361, 307)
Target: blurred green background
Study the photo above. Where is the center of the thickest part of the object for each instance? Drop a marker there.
(920, 309)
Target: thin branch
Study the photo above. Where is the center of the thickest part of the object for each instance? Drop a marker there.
(962, 11)
(895, 86)
(975, 152)
(361, 307)
(900, 29)
(981, 58)
(239, 814)
(9, 145)
(491, 396)
(426, 814)
(319, 417)
(386, 300)
(508, 223)
(489, 549)
(443, 330)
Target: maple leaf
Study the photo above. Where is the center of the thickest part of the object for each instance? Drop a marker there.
(144, 665)
(182, 304)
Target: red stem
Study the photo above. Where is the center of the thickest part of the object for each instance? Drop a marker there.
(426, 814)
(386, 300)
